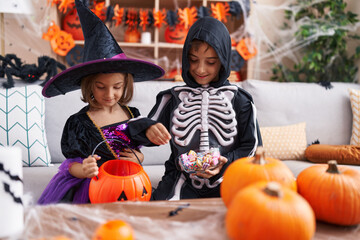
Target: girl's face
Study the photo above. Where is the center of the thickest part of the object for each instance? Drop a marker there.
(204, 64)
(108, 88)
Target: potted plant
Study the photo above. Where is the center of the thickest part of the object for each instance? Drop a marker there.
(323, 28)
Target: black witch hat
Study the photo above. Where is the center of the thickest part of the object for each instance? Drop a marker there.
(102, 54)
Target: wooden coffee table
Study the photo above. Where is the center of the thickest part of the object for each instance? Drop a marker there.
(184, 219)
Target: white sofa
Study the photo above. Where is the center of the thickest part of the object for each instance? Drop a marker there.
(327, 114)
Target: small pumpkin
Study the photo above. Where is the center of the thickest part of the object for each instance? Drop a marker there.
(114, 230)
(62, 43)
(333, 192)
(245, 171)
(120, 180)
(176, 34)
(268, 210)
(246, 48)
(132, 35)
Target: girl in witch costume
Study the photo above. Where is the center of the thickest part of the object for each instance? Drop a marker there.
(207, 112)
(106, 80)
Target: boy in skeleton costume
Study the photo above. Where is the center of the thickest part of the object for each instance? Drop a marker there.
(207, 112)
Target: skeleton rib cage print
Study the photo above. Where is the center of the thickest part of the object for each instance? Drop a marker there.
(205, 109)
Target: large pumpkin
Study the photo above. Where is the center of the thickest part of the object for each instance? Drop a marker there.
(176, 34)
(71, 24)
(245, 171)
(114, 230)
(268, 210)
(332, 191)
(120, 180)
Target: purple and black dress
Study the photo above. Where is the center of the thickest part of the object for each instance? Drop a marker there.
(79, 139)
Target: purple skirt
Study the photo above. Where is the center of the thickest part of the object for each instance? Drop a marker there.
(63, 182)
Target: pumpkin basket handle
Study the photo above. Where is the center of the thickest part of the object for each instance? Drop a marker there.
(118, 140)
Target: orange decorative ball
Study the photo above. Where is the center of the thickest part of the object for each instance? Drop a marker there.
(245, 171)
(114, 230)
(120, 180)
(132, 35)
(268, 210)
(332, 191)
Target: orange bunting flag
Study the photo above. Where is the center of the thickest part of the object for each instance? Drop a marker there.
(159, 17)
(144, 19)
(220, 11)
(187, 16)
(118, 15)
(64, 5)
(98, 10)
(132, 18)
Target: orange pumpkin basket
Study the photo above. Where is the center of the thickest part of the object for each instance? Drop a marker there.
(120, 180)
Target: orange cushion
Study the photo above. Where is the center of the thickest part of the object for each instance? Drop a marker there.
(343, 154)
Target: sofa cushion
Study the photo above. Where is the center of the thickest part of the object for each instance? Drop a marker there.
(22, 123)
(343, 154)
(285, 142)
(327, 113)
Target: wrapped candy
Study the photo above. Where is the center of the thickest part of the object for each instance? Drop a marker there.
(192, 161)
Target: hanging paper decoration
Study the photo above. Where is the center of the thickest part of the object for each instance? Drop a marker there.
(65, 4)
(220, 11)
(237, 62)
(235, 9)
(144, 19)
(109, 14)
(187, 16)
(171, 18)
(176, 34)
(203, 12)
(99, 10)
(131, 18)
(71, 24)
(246, 48)
(53, 2)
(118, 15)
(61, 42)
(159, 17)
(75, 55)
(52, 31)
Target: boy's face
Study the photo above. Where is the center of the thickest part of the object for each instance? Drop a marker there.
(204, 64)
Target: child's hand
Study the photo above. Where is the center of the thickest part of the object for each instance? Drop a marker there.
(127, 154)
(214, 171)
(158, 134)
(89, 166)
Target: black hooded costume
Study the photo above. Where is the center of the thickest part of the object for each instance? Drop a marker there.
(199, 117)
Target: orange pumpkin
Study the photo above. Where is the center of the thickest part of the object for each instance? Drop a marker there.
(71, 24)
(246, 48)
(245, 171)
(62, 43)
(132, 35)
(176, 34)
(268, 210)
(114, 230)
(332, 191)
(120, 180)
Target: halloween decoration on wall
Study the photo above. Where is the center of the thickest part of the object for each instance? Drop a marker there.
(176, 34)
(237, 62)
(71, 24)
(160, 18)
(64, 5)
(187, 16)
(144, 19)
(118, 15)
(246, 48)
(120, 180)
(220, 11)
(74, 56)
(247, 170)
(11, 65)
(61, 42)
(99, 10)
(114, 230)
(278, 211)
(132, 35)
(332, 191)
